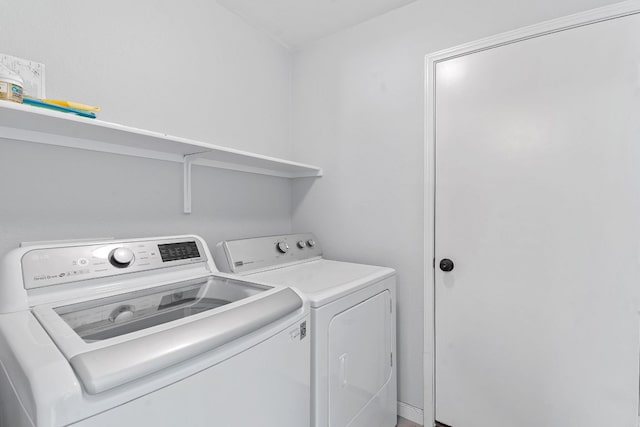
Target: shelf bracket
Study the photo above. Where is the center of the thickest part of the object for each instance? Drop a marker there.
(187, 163)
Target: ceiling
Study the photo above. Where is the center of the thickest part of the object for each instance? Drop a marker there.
(297, 22)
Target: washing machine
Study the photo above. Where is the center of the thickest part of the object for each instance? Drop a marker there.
(147, 332)
(353, 324)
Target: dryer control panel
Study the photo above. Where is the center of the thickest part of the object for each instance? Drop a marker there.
(263, 253)
(57, 265)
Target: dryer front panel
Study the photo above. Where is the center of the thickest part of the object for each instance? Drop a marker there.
(360, 358)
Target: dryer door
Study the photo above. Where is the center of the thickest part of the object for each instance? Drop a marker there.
(360, 359)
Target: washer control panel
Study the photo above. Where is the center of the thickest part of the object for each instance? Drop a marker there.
(244, 255)
(58, 265)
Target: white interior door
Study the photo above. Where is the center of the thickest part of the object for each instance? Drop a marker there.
(538, 206)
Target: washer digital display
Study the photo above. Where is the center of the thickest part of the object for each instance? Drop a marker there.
(176, 251)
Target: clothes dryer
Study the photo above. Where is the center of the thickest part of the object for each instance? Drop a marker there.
(353, 321)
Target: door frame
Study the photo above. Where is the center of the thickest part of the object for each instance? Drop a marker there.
(593, 16)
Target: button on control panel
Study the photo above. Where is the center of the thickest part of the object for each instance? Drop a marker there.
(54, 266)
(121, 257)
(283, 247)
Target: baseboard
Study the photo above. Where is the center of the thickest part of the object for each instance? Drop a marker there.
(411, 413)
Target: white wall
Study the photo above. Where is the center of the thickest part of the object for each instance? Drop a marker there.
(189, 68)
(186, 68)
(358, 112)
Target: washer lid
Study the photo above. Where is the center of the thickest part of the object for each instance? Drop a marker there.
(161, 327)
(324, 281)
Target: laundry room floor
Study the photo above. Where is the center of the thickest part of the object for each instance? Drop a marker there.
(406, 423)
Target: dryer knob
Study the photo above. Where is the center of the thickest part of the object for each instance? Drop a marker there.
(311, 243)
(283, 247)
(121, 257)
(302, 244)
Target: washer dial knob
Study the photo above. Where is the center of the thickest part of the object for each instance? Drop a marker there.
(121, 257)
(283, 247)
(311, 243)
(302, 244)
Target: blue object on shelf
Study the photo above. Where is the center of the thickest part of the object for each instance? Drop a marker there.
(38, 103)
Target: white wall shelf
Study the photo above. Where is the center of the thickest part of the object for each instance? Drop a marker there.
(31, 124)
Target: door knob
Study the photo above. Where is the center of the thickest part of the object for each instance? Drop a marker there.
(446, 265)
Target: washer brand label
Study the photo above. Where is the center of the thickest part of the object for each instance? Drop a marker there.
(60, 275)
(299, 333)
(303, 330)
